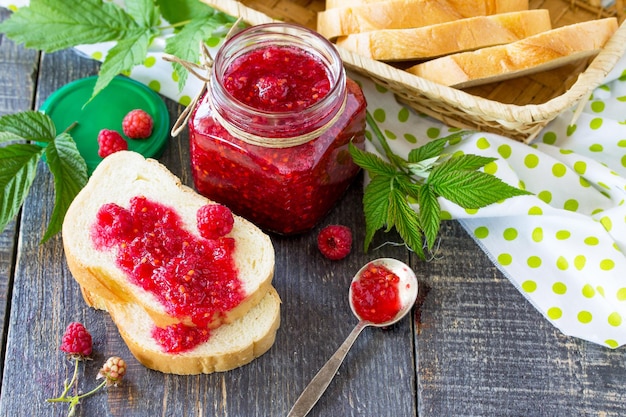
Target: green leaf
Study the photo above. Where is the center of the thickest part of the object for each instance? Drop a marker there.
(143, 12)
(123, 57)
(28, 125)
(51, 25)
(429, 150)
(374, 164)
(434, 148)
(406, 221)
(18, 165)
(471, 189)
(408, 186)
(466, 162)
(177, 11)
(429, 215)
(70, 176)
(186, 43)
(375, 206)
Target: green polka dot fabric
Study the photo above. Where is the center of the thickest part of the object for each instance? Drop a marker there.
(563, 247)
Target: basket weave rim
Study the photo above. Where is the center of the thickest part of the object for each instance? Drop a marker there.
(595, 73)
(505, 114)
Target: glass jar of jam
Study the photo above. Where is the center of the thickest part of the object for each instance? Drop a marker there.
(269, 138)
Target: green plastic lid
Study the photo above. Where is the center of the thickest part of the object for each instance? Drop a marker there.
(106, 111)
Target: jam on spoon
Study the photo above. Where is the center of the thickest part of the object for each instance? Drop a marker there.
(381, 294)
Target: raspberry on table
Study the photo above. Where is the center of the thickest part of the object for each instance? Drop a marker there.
(335, 241)
(214, 221)
(76, 340)
(110, 141)
(137, 124)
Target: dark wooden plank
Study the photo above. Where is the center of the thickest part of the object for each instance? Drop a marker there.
(485, 351)
(18, 67)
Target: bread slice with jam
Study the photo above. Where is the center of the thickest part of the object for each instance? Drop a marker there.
(221, 349)
(131, 238)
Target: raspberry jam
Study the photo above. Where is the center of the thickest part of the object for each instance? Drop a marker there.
(270, 137)
(190, 276)
(376, 294)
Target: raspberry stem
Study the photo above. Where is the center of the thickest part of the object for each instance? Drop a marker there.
(70, 127)
(73, 400)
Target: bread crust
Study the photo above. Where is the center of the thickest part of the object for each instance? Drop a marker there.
(402, 14)
(237, 336)
(540, 52)
(258, 329)
(486, 7)
(447, 38)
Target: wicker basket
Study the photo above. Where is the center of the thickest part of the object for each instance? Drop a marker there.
(517, 108)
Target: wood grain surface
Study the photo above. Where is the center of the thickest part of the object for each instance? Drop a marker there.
(472, 347)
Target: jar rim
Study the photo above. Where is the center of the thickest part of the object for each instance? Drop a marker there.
(288, 33)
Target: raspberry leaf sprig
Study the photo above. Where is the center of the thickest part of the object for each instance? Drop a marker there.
(29, 136)
(426, 175)
(52, 25)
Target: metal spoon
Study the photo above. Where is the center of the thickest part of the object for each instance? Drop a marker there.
(408, 294)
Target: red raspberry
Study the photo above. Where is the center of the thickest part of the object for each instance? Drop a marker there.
(214, 221)
(76, 340)
(335, 241)
(137, 124)
(110, 141)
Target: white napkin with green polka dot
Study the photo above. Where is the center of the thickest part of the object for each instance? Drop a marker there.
(563, 247)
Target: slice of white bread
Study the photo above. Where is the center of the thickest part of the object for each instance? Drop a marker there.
(403, 14)
(540, 52)
(117, 179)
(229, 346)
(488, 6)
(447, 38)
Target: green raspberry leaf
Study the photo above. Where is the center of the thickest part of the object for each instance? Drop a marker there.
(123, 57)
(186, 43)
(374, 164)
(429, 215)
(423, 179)
(70, 176)
(471, 189)
(405, 220)
(177, 11)
(51, 25)
(18, 165)
(144, 12)
(463, 163)
(375, 206)
(26, 126)
(430, 150)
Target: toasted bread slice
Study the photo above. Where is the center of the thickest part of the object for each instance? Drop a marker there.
(447, 38)
(540, 52)
(404, 14)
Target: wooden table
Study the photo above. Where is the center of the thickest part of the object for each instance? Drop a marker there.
(473, 346)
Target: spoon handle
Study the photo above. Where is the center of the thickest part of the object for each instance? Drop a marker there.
(322, 379)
